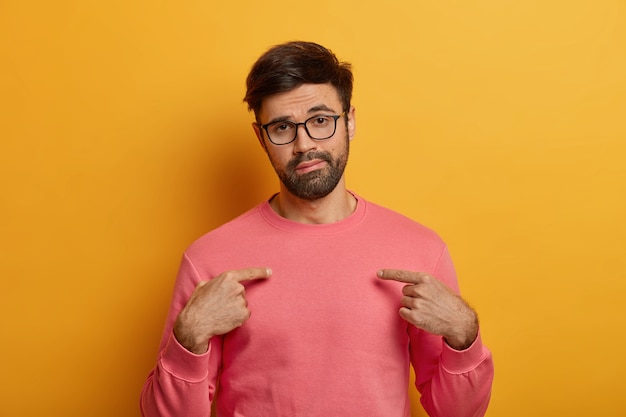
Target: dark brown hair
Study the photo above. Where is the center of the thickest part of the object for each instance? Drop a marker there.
(287, 66)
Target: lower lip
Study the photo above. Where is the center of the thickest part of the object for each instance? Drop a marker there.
(310, 168)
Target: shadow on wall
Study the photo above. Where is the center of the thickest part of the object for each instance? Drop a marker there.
(237, 179)
(219, 176)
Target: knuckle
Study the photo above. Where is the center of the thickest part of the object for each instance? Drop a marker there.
(398, 274)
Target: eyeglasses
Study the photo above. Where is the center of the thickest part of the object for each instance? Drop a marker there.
(317, 127)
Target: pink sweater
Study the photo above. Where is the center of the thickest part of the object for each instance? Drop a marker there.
(324, 337)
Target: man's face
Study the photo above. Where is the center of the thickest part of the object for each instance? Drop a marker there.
(307, 168)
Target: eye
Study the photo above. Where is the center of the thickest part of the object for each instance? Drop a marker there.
(320, 121)
(280, 127)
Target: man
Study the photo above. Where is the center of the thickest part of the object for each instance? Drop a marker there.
(316, 302)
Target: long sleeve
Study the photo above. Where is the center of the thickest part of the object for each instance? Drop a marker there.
(460, 385)
(182, 383)
(452, 383)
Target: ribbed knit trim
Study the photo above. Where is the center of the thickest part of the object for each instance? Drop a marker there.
(183, 364)
(463, 361)
(275, 220)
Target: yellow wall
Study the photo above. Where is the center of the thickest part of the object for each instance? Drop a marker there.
(501, 124)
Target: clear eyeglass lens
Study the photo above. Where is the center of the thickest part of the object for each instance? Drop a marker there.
(320, 127)
(281, 131)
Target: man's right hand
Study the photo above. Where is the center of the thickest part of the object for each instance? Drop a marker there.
(215, 307)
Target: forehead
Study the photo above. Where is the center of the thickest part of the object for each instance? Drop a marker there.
(300, 102)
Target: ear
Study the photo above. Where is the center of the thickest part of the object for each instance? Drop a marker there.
(351, 115)
(259, 135)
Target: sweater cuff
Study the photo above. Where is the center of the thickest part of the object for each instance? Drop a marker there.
(183, 364)
(462, 361)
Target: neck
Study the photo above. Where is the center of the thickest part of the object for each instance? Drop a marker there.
(336, 206)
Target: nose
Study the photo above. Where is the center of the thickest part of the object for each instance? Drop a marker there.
(303, 142)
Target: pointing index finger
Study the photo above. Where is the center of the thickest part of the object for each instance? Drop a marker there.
(247, 274)
(399, 275)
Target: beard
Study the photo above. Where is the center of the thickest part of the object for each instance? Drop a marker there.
(315, 184)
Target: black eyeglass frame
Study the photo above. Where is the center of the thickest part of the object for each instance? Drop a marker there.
(335, 117)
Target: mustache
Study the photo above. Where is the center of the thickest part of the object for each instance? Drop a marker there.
(309, 156)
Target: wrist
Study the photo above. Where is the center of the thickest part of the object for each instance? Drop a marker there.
(465, 337)
(460, 343)
(188, 340)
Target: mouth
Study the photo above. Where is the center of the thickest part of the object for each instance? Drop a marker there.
(308, 166)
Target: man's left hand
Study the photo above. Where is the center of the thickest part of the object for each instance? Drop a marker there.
(430, 305)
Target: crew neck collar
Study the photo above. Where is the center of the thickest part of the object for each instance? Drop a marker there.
(279, 222)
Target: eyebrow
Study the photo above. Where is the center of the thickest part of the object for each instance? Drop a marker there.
(320, 107)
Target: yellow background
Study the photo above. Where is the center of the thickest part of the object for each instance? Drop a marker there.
(501, 124)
